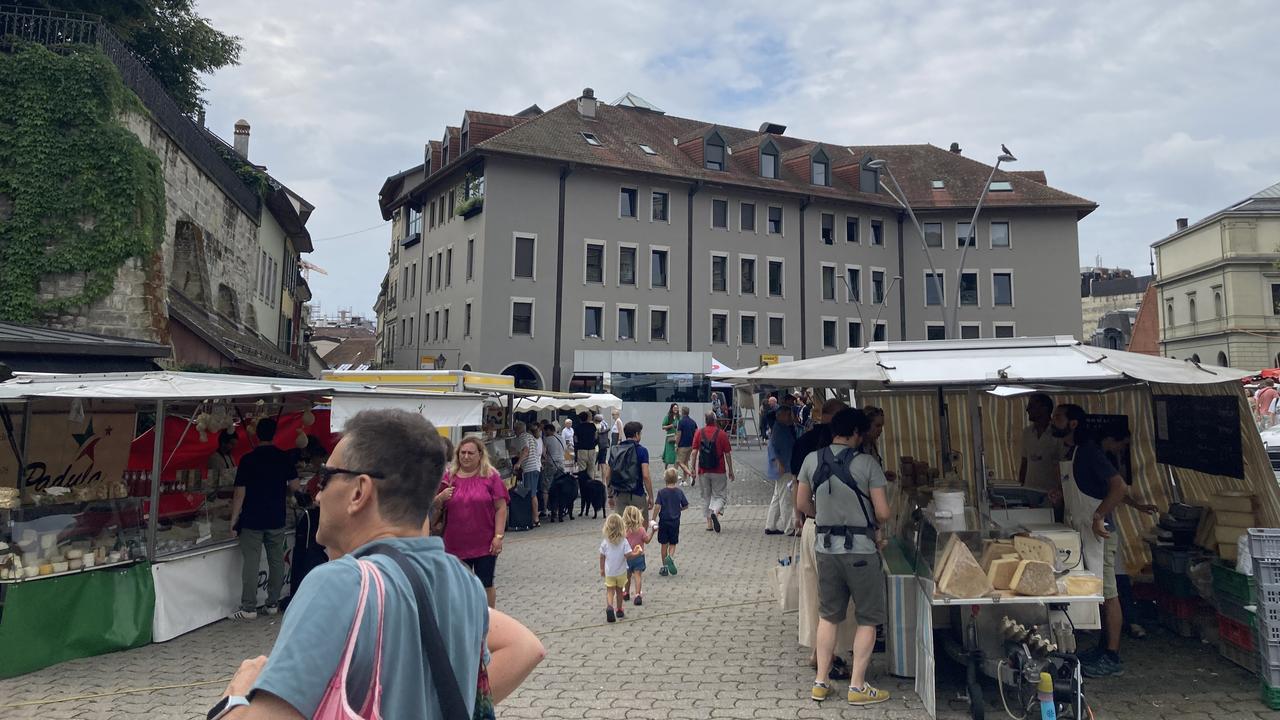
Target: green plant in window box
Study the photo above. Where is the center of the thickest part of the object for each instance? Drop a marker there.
(472, 196)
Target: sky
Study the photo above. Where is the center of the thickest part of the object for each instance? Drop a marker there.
(1153, 110)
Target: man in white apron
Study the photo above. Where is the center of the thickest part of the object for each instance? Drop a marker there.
(1091, 490)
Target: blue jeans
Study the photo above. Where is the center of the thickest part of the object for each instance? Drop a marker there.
(529, 481)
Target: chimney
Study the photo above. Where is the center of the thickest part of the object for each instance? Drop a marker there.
(242, 138)
(955, 148)
(1182, 223)
(587, 104)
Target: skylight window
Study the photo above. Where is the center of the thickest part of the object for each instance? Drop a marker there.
(938, 185)
(1001, 186)
(591, 139)
(648, 150)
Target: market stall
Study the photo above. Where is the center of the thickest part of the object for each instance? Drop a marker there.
(82, 552)
(952, 411)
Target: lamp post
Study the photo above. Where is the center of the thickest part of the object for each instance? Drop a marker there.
(901, 198)
(953, 328)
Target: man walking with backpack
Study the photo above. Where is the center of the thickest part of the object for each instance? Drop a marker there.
(626, 475)
(715, 469)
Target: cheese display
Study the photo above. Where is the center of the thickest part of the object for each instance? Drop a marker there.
(994, 550)
(1082, 584)
(962, 576)
(1001, 572)
(1030, 548)
(1034, 577)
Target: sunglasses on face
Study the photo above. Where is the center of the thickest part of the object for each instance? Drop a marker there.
(325, 473)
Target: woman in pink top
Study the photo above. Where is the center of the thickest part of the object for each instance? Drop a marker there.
(474, 501)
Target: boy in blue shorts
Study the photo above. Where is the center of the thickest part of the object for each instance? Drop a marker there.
(668, 505)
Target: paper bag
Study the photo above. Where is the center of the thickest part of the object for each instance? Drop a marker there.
(786, 581)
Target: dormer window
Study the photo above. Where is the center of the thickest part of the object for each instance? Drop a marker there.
(937, 184)
(444, 152)
(465, 133)
(868, 178)
(713, 153)
(820, 168)
(591, 139)
(769, 160)
(648, 150)
(1001, 186)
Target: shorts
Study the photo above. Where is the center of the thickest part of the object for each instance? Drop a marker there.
(682, 455)
(849, 575)
(615, 581)
(669, 532)
(529, 480)
(483, 567)
(636, 564)
(1109, 548)
(639, 501)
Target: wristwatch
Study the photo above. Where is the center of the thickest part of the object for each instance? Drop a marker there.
(226, 705)
(498, 536)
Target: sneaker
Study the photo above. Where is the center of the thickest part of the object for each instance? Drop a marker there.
(272, 609)
(867, 695)
(244, 615)
(622, 615)
(715, 523)
(670, 564)
(821, 691)
(1105, 665)
(626, 595)
(1091, 654)
(639, 600)
(609, 616)
(772, 532)
(663, 571)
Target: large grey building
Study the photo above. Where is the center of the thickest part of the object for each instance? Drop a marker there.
(523, 238)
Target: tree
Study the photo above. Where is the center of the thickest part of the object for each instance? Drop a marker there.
(177, 44)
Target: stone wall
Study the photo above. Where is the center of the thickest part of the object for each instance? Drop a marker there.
(208, 252)
(1093, 308)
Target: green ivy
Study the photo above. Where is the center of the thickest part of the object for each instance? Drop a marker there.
(81, 193)
(252, 177)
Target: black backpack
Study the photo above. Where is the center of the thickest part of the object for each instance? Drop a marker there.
(624, 467)
(708, 454)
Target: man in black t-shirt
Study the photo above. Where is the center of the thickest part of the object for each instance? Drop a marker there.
(264, 480)
(584, 444)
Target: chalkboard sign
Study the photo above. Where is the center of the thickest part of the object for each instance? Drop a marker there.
(1199, 433)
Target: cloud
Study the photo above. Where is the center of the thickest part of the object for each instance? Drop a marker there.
(1154, 110)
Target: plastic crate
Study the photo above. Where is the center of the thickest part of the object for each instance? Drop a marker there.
(1177, 561)
(1247, 659)
(1177, 584)
(1264, 543)
(1266, 572)
(1269, 614)
(1236, 633)
(1245, 615)
(1270, 696)
(1179, 608)
(1232, 585)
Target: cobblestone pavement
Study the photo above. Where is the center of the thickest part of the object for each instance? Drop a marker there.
(708, 643)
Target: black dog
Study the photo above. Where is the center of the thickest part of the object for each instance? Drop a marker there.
(560, 496)
(592, 494)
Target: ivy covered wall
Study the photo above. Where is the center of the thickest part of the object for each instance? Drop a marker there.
(80, 195)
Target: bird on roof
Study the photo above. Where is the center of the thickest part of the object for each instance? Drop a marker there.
(1004, 149)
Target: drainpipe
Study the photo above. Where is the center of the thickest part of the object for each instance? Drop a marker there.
(689, 316)
(556, 380)
(804, 346)
(902, 286)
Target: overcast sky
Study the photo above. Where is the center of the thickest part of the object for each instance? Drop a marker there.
(1154, 110)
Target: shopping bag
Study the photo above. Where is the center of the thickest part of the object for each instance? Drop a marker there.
(786, 580)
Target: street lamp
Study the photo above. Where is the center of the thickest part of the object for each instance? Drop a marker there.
(953, 328)
(901, 198)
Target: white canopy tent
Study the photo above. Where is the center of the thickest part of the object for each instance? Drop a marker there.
(596, 401)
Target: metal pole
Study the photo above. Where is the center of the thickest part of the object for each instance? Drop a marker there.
(901, 197)
(944, 431)
(953, 328)
(157, 452)
(979, 460)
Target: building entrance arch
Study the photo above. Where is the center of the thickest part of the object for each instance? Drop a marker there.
(526, 376)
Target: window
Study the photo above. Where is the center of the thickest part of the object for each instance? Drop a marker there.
(466, 321)
(868, 180)
(968, 288)
(658, 325)
(1168, 308)
(439, 269)
(775, 220)
(747, 217)
(970, 331)
(627, 203)
(593, 321)
(431, 260)
(404, 331)
(828, 229)
(1222, 359)
(664, 388)
(444, 333)
(1003, 330)
(409, 337)
(626, 265)
(719, 273)
(415, 221)
(962, 235)
(775, 330)
(591, 139)
(933, 234)
(828, 333)
(747, 329)
(853, 280)
(435, 320)
(880, 332)
(451, 196)
(648, 150)
(877, 232)
(935, 332)
(522, 316)
(523, 267)
(471, 257)
(1217, 304)
(719, 327)
(747, 276)
(877, 287)
(828, 282)
(934, 288)
(1191, 309)
(851, 229)
(448, 267)
(1000, 234)
(769, 160)
(937, 184)
(855, 334)
(594, 263)
(658, 268)
(820, 169)
(713, 153)
(432, 215)
(413, 280)
(1001, 186)
(775, 279)
(1275, 302)
(626, 323)
(720, 214)
(1002, 288)
(660, 206)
